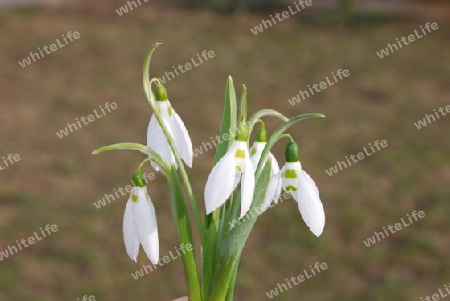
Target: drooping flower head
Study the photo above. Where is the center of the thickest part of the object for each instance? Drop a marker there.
(233, 168)
(139, 222)
(156, 139)
(302, 188)
(256, 150)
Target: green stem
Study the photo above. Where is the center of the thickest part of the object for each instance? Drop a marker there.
(155, 157)
(266, 112)
(184, 176)
(143, 163)
(286, 136)
(184, 232)
(230, 293)
(277, 134)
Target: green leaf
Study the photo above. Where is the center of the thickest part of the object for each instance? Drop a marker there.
(228, 120)
(243, 107)
(230, 249)
(184, 232)
(212, 221)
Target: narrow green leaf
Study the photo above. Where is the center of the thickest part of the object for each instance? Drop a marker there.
(184, 232)
(229, 117)
(243, 107)
(230, 249)
(212, 221)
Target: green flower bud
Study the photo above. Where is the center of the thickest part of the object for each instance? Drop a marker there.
(291, 152)
(261, 136)
(161, 93)
(242, 133)
(138, 179)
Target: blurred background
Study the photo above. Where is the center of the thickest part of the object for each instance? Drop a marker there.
(57, 180)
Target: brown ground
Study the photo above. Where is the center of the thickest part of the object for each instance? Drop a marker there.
(57, 180)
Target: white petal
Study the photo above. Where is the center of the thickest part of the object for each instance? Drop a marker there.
(144, 218)
(182, 139)
(255, 152)
(275, 168)
(221, 181)
(129, 235)
(273, 191)
(309, 204)
(289, 182)
(157, 141)
(247, 186)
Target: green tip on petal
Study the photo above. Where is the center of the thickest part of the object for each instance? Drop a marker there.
(138, 179)
(243, 133)
(161, 93)
(291, 152)
(261, 136)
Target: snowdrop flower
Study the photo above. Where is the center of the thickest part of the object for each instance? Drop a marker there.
(139, 222)
(234, 167)
(274, 187)
(156, 139)
(302, 188)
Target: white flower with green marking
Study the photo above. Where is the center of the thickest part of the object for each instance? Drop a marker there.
(139, 223)
(256, 150)
(156, 139)
(299, 184)
(234, 167)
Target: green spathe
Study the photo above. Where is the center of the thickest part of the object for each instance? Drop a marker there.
(243, 133)
(138, 179)
(161, 93)
(261, 136)
(291, 152)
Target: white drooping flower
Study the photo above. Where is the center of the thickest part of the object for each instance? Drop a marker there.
(156, 139)
(273, 189)
(234, 167)
(302, 188)
(140, 226)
